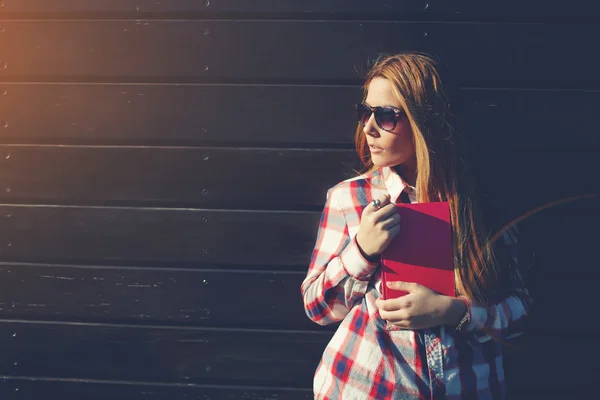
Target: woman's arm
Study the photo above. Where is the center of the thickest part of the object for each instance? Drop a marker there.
(507, 318)
(338, 275)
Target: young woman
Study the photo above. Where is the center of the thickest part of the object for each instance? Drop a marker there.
(423, 345)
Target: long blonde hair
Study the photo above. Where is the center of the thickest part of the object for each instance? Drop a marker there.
(443, 172)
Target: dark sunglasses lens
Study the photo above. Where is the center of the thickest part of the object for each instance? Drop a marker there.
(386, 118)
(363, 114)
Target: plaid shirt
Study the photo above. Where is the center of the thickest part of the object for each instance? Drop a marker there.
(365, 359)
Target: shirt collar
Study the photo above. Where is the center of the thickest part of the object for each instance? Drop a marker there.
(395, 184)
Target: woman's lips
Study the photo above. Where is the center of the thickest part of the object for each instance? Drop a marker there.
(375, 150)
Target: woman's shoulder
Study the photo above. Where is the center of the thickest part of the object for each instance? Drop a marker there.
(354, 189)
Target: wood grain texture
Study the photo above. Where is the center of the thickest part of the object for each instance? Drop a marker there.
(222, 357)
(178, 114)
(527, 180)
(193, 237)
(31, 388)
(491, 55)
(537, 365)
(256, 179)
(192, 177)
(210, 7)
(169, 296)
(158, 354)
(451, 9)
(34, 388)
(243, 299)
(264, 115)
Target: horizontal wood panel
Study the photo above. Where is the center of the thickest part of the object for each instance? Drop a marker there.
(196, 298)
(543, 366)
(253, 178)
(378, 8)
(202, 177)
(156, 296)
(533, 183)
(209, 7)
(117, 235)
(482, 54)
(559, 304)
(215, 357)
(229, 357)
(23, 388)
(30, 388)
(75, 390)
(270, 114)
(177, 114)
(519, 386)
(560, 261)
(536, 119)
(256, 239)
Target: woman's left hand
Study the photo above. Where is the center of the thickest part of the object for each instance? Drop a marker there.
(421, 308)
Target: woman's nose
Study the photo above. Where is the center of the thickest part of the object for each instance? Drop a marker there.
(370, 127)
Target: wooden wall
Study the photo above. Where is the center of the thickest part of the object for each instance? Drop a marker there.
(163, 165)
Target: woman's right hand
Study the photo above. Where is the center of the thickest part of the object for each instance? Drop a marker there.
(378, 227)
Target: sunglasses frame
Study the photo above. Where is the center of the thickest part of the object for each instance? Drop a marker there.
(398, 113)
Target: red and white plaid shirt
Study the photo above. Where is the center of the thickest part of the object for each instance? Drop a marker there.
(364, 360)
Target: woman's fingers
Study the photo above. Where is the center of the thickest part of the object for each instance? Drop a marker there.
(386, 211)
(383, 213)
(383, 201)
(391, 221)
(393, 316)
(372, 237)
(394, 230)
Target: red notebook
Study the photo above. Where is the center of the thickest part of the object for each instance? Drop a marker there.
(422, 251)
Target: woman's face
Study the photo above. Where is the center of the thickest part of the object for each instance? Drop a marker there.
(393, 148)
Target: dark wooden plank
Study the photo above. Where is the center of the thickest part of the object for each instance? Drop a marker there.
(536, 119)
(201, 177)
(544, 366)
(565, 306)
(270, 114)
(154, 354)
(512, 9)
(252, 178)
(374, 8)
(209, 7)
(482, 54)
(153, 296)
(564, 241)
(564, 275)
(177, 114)
(220, 357)
(34, 388)
(116, 235)
(527, 180)
(195, 298)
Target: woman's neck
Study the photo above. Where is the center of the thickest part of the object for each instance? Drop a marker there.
(407, 173)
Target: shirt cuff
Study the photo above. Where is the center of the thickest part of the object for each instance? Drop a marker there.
(477, 315)
(355, 264)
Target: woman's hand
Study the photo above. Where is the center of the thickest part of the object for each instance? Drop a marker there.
(378, 227)
(421, 308)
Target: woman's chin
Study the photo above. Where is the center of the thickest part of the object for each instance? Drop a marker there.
(381, 162)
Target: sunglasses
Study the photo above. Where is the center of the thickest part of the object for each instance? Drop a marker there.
(385, 117)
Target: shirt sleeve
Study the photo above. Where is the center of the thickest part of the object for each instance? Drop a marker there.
(506, 319)
(338, 274)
